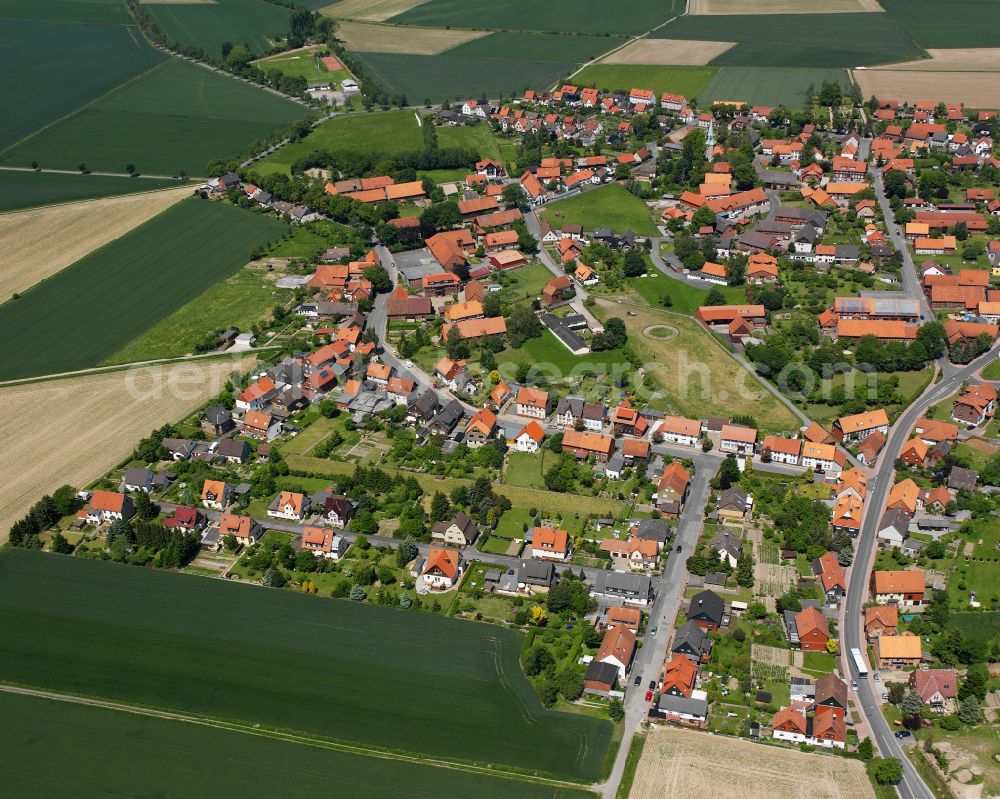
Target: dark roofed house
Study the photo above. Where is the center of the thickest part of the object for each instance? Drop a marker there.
(707, 610)
(960, 479)
(634, 589)
(652, 530)
(217, 420)
(692, 642)
(600, 678)
(137, 479)
(446, 420)
(233, 450)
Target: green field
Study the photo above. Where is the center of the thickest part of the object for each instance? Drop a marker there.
(479, 137)
(799, 40)
(559, 16)
(108, 751)
(609, 206)
(91, 309)
(86, 62)
(20, 190)
(390, 679)
(955, 23)
(689, 81)
(97, 12)
(178, 116)
(386, 132)
(207, 25)
(685, 297)
(527, 469)
(992, 372)
(444, 77)
(538, 46)
(770, 86)
(548, 350)
(237, 301)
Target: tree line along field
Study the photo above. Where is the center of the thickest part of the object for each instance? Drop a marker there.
(174, 118)
(254, 23)
(90, 309)
(376, 676)
(799, 40)
(86, 61)
(576, 16)
(22, 189)
(207, 759)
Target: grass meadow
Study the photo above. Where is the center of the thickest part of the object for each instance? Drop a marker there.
(91, 309)
(609, 206)
(791, 40)
(176, 117)
(20, 190)
(368, 674)
(390, 132)
(547, 349)
(689, 81)
(207, 25)
(238, 301)
(204, 758)
(90, 60)
(685, 298)
(696, 377)
(558, 16)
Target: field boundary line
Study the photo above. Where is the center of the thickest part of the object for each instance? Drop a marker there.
(633, 40)
(288, 737)
(149, 192)
(84, 107)
(121, 367)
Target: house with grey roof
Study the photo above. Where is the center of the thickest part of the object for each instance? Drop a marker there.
(630, 588)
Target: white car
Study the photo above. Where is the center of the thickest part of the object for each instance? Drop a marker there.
(409, 364)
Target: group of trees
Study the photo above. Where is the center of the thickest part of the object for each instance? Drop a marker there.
(41, 516)
(614, 336)
(147, 542)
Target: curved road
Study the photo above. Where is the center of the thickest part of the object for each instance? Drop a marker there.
(912, 786)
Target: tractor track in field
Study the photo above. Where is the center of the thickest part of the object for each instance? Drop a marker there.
(288, 737)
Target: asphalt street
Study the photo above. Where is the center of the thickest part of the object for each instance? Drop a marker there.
(852, 636)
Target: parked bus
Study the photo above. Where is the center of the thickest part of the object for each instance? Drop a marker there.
(859, 663)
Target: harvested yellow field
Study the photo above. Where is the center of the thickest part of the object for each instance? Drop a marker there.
(668, 51)
(370, 10)
(707, 7)
(75, 429)
(37, 243)
(958, 59)
(370, 38)
(683, 763)
(976, 89)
